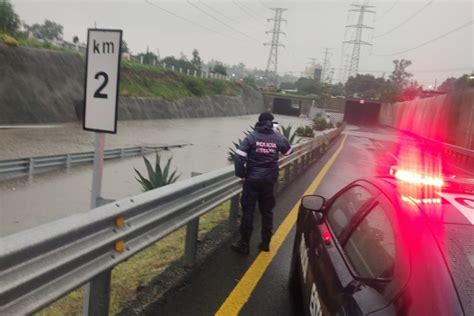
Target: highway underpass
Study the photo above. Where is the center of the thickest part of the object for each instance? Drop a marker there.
(234, 284)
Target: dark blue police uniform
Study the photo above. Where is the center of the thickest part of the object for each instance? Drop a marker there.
(256, 161)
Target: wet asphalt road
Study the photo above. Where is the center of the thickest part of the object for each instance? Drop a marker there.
(364, 154)
(367, 152)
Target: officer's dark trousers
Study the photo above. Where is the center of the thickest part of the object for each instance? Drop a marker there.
(261, 192)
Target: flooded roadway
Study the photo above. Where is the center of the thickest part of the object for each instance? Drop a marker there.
(27, 202)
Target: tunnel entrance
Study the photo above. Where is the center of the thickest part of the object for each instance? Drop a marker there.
(286, 106)
(361, 112)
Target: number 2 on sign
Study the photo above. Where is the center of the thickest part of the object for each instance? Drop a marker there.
(98, 93)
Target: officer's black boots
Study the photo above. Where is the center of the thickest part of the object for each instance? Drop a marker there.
(241, 247)
(264, 246)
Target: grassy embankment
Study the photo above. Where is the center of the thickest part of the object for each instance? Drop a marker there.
(139, 80)
(154, 81)
(141, 268)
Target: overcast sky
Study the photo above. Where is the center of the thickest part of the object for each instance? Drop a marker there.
(233, 31)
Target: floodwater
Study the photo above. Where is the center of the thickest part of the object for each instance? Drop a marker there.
(27, 202)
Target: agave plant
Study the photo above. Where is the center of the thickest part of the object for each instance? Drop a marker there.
(286, 131)
(231, 152)
(158, 177)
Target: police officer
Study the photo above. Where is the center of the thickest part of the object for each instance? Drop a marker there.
(256, 163)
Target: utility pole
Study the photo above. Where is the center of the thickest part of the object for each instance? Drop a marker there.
(272, 63)
(357, 41)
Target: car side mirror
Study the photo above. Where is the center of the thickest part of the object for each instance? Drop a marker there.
(314, 204)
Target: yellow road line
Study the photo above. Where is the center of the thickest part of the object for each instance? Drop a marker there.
(241, 293)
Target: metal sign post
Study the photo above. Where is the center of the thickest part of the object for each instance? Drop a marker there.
(100, 116)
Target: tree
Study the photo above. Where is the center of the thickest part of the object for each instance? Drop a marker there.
(400, 75)
(308, 86)
(196, 61)
(337, 89)
(49, 30)
(75, 39)
(124, 48)
(287, 86)
(447, 85)
(250, 81)
(178, 63)
(9, 21)
(365, 86)
(220, 69)
(147, 58)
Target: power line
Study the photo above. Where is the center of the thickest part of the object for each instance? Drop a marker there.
(243, 9)
(217, 11)
(406, 20)
(390, 9)
(223, 23)
(183, 18)
(432, 40)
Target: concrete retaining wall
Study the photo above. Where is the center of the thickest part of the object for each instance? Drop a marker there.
(448, 118)
(45, 86)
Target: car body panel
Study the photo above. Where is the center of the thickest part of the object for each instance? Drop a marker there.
(419, 284)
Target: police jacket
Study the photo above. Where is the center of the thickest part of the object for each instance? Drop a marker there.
(257, 157)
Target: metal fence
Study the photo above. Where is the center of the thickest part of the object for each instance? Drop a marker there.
(42, 264)
(461, 157)
(33, 164)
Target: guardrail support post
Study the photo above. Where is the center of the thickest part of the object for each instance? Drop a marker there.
(31, 167)
(97, 294)
(234, 211)
(190, 246)
(68, 161)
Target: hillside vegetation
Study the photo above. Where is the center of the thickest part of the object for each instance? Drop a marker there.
(153, 81)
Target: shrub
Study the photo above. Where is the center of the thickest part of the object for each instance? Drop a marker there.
(8, 40)
(286, 131)
(319, 123)
(306, 131)
(195, 86)
(158, 177)
(218, 86)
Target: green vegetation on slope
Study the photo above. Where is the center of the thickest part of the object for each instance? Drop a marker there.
(153, 81)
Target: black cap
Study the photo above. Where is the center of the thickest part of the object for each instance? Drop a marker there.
(265, 116)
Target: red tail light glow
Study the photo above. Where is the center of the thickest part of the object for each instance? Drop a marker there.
(413, 177)
(421, 201)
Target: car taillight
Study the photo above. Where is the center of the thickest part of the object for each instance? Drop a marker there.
(421, 201)
(413, 177)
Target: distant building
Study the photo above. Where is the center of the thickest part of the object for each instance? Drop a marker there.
(313, 71)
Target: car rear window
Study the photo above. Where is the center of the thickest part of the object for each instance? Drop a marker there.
(457, 244)
(345, 207)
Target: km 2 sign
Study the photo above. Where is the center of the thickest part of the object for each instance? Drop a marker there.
(102, 78)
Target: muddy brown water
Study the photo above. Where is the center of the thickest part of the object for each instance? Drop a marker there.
(28, 202)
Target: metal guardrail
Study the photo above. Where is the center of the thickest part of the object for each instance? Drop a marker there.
(30, 165)
(461, 157)
(42, 264)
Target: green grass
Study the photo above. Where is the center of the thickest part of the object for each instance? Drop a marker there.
(29, 42)
(141, 268)
(154, 81)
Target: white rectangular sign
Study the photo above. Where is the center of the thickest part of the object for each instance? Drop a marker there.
(102, 79)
